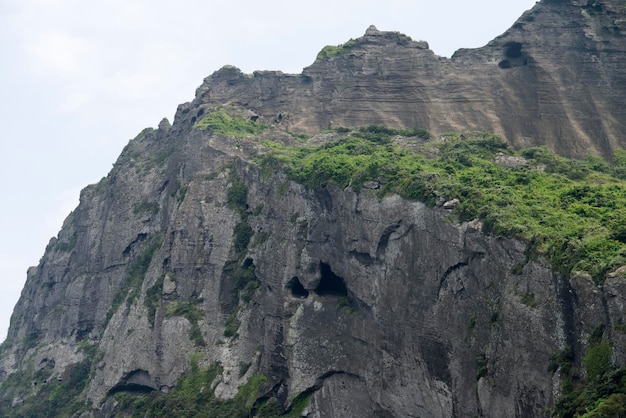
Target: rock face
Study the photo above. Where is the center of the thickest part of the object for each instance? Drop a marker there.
(368, 307)
(556, 78)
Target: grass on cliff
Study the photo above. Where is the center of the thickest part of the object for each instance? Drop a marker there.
(41, 395)
(331, 50)
(572, 212)
(240, 271)
(193, 396)
(602, 393)
(135, 274)
(238, 127)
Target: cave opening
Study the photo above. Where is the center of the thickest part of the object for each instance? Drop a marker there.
(296, 289)
(248, 262)
(513, 56)
(137, 381)
(330, 284)
(504, 64)
(513, 50)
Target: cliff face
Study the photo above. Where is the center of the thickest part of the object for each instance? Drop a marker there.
(556, 78)
(365, 307)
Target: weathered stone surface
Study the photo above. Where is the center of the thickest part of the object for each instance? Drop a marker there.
(557, 77)
(372, 307)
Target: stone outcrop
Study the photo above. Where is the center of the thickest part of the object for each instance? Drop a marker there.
(557, 77)
(369, 307)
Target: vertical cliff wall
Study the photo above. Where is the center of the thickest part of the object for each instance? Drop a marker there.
(188, 254)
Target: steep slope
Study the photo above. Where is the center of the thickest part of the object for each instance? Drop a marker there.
(198, 267)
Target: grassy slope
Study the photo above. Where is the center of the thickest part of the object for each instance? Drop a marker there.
(572, 212)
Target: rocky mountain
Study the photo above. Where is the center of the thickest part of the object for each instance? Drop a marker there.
(209, 274)
(556, 78)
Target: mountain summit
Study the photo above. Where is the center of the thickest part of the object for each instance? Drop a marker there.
(556, 78)
(387, 234)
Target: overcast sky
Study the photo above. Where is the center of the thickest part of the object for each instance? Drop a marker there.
(79, 79)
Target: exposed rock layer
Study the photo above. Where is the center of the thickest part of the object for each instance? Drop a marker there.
(375, 308)
(556, 78)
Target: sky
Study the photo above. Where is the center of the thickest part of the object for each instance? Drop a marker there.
(79, 79)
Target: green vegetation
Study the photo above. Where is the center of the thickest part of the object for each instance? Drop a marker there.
(179, 191)
(481, 365)
(246, 282)
(44, 395)
(472, 321)
(152, 300)
(240, 271)
(232, 325)
(258, 210)
(193, 397)
(244, 285)
(237, 127)
(243, 368)
(528, 299)
(601, 393)
(192, 313)
(135, 273)
(571, 212)
(597, 359)
(343, 303)
(298, 404)
(242, 233)
(156, 160)
(237, 198)
(146, 208)
(563, 360)
(330, 51)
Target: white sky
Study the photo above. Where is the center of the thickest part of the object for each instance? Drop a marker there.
(79, 79)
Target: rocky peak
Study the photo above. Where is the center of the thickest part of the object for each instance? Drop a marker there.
(196, 269)
(555, 78)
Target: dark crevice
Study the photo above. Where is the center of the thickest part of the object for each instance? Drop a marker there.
(513, 56)
(384, 239)
(84, 331)
(363, 258)
(140, 237)
(568, 301)
(513, 50)
(330, 284)
(470, 256)
(451, 270)
(325, 199)
(137, 381)
(296, 289)
(319, 382)
(163, 186)
(248, 262)
(277, 393)
(437, 358)
(504, 64)
(130, 388)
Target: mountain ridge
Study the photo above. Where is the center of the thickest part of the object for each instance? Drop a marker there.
(563, 90)
(200, 273)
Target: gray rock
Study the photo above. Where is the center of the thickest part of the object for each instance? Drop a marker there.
(372, 307)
